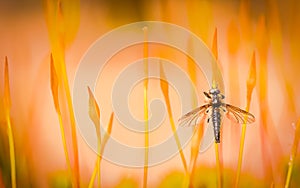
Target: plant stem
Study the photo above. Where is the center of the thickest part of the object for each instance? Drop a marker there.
(99, 160)
(101, 147)
(293, 154)
(219, 173)
(73, 124)
(165, 89)
(240, 159)
(104, 141)
(145, 29)
(7, 106)
(96, 168)
(54, 88)
(11, 152)
(196, 140)
(251, 82)
(177, 139)
(62, 130)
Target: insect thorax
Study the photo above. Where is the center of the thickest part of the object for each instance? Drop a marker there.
(216, 101)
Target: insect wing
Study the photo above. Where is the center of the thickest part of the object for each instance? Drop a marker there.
(193, 117)
(238, 115)
(208, 137)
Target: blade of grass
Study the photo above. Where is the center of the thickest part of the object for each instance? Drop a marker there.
(96, 169)
(99, 158)
(214, 47)
(191, 66)
(251, 82)
(54, 89)
(218, 164)
(217, 77)
(94, 113)
(107, 134)
(145, 179)
(293, 154)
(262, 46)
(274, 173)
(7, 106)
(233, 44)
(62, 18)
(215, 85)
(276, 32)
(196, 140)
(165, 90)
(73, 125)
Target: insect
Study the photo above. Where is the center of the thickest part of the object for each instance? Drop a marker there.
(215, 107)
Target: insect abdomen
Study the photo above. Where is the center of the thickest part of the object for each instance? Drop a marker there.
(216, 119)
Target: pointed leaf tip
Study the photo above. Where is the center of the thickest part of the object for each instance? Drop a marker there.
(7, 100)
(63, 20)
(163, 82)
(111, 119)
(94, 111)
(215, 44)
(54, 84)
(251, 82)
(146, 55)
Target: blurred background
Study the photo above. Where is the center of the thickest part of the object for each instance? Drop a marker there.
(30, 30)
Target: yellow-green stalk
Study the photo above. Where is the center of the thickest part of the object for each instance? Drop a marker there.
(73, 125)
(196, 140)
(103, 144)
(54, 90)
(106, 135)
(94, 113)
(215, 85)
(267, 133)
(145, 179)
(251, 82)
(293, 154)
(62, 18)
(96, 169)
(233, 44)
(214, 49)
(7, 106)
(218, 166)
(277, 44)
(198, 10)
(191, 68)
(165, 90)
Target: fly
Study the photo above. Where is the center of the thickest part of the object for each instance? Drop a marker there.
(215, 107)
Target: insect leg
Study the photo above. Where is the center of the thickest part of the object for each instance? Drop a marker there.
(223, 109)
(207, 95)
